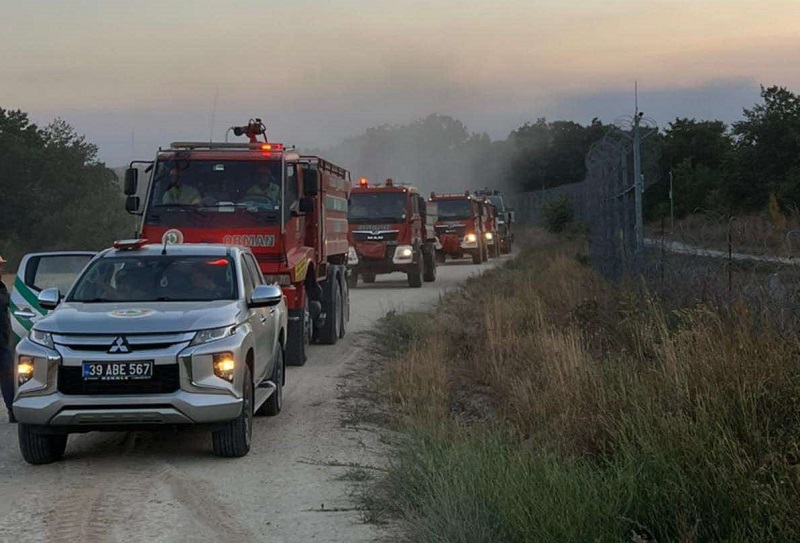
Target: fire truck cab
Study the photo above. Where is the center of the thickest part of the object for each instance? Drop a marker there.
(389, 232)
(460, 227)
(290, 210)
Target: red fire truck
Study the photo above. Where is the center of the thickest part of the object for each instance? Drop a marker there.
(291, 210)
(460, 227)
(490, 229)
(389, 233)
(505, 218)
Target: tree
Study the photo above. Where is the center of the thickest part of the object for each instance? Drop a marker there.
(768, 150)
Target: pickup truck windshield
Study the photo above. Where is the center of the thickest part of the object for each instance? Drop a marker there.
(156, 279)
(386, 207)
(454, 209)
(198, 192)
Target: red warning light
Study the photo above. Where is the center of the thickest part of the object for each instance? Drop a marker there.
(220, 262)
(272, 147)
(363, 182)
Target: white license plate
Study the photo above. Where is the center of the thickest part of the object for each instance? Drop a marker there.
(118, 371)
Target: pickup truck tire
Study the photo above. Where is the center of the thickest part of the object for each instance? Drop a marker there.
(233, 439)
(328, 334)
(40, 448)
(297, 336)
(274, 403)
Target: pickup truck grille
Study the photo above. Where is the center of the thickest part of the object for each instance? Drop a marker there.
(166, 378)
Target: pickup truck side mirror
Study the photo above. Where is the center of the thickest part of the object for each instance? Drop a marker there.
(306, 205)
(131, 181)
(310, 182)
(49, 298)
(266, 296)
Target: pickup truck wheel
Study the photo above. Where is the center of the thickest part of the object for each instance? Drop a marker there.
(274, 403)
(40, 448)
(298, 336)
(233, 439)
(429, 261)
(329, 332)
(368, 277)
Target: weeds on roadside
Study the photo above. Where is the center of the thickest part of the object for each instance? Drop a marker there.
(615, 419)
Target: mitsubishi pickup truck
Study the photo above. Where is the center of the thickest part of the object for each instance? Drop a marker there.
(149, 336)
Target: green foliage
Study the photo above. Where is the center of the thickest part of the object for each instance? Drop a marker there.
(557, 214)
(545, 155)
(56, 194)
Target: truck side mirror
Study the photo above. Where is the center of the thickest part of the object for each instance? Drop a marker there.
(310, 182)
(49, 298)
(306, 205)
(511, 217)
(132, 205)
(131, 181)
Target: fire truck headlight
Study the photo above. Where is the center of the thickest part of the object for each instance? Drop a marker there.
(471, 238)
(488, 235)
(403, 254)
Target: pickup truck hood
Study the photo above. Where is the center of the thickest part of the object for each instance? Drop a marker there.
(133, 318)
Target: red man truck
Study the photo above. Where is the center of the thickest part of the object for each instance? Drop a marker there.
(291, 210)
(389, 232)
(505, 218)
(460, 227)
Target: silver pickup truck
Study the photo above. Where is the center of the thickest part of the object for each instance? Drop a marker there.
(150, 336)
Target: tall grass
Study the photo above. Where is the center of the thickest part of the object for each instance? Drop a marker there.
(545, 405)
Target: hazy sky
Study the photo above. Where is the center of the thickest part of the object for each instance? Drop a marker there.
(317, 71)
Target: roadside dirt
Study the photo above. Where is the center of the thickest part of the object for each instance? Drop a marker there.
(166, 486)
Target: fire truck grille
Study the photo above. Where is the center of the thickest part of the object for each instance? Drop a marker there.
(457, 230)
(374, 236)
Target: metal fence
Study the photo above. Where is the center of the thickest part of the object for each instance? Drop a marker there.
(751, 263)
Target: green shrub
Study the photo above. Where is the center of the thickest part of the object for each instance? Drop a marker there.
(557, 214)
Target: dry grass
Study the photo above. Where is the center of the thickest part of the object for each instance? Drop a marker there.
(683, 423)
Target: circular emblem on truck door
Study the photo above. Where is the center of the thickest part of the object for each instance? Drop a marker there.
(173, 237)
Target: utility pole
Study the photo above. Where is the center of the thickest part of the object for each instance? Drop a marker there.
(637, 175)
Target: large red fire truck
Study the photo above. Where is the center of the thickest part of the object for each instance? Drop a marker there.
(490, 228)
(459, 227)
(505, 218)
(389, 233)
(291, 210)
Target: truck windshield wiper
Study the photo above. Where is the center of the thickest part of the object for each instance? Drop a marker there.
(188, 207)
(95, 301)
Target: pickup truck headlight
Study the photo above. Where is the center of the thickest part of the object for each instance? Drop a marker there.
(44, 339)
(214, 334)
(25, 368)
(224, 366)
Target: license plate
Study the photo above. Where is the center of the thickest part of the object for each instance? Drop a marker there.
(118, 371)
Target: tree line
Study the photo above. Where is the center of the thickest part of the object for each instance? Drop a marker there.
(54, 192)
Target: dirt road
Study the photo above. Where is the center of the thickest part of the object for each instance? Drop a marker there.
(168, 487)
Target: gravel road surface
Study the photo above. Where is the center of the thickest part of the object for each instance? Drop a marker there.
(166, 486)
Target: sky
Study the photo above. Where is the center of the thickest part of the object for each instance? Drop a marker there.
(138, 74)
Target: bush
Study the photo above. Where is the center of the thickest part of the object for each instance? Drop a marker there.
(557, 214)
(545, 405)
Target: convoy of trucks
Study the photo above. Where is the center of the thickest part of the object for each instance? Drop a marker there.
(292, 222)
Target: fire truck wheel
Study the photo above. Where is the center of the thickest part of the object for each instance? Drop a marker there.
(298, 336)
(332, 306)
(440, 257)
(429, 260)
(368, 277)
(352, 279)
(477, 256)
(496, 249)
(484, 252)
(415, 275)
(345, 314)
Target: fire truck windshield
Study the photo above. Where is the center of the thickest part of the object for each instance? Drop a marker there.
(454, 209)
(497, 200)
(250, 189)
(370, 207)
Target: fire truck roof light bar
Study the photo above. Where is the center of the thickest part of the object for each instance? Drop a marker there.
(205, 145)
